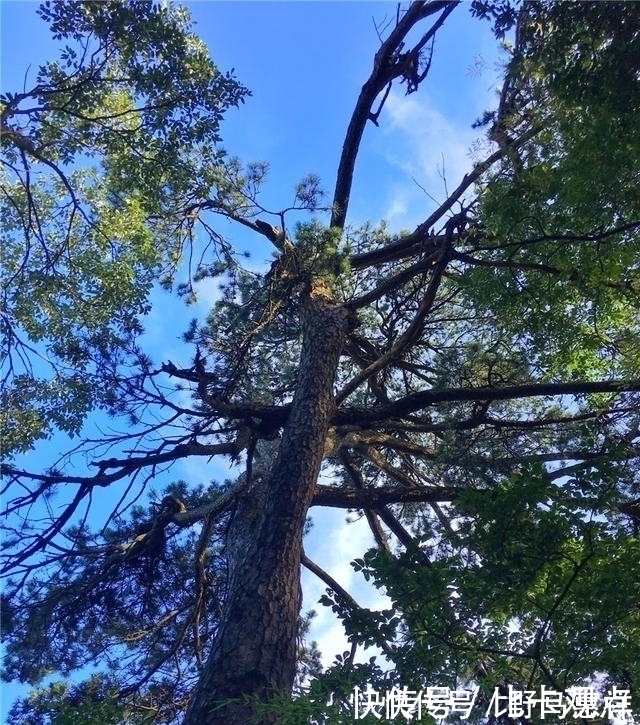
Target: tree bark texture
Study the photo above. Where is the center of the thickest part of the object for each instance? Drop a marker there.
(254, 654)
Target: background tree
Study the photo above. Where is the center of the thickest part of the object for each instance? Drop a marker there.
(470, 387)
(102, 159)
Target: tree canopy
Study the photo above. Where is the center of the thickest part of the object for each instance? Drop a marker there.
(470, 388)
(103, 158)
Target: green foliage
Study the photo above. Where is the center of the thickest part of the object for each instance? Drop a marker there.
(362, 625)
(103, 159)
(531, 593)
(321, 251)
(562, 245)
(93, 702)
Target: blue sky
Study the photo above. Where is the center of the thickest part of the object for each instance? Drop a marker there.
(305, 63)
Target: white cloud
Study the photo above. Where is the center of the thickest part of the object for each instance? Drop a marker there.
(333, 544)
(431, 151)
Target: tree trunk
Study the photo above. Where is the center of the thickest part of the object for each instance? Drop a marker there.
(254, 654)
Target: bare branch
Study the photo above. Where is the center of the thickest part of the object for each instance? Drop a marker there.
(389, 63)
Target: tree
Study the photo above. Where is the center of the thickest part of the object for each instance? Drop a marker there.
(103, 158)
(471, 387)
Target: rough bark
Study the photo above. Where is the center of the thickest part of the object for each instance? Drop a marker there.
(254, 653)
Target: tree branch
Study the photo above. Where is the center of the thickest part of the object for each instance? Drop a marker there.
(418, 401)
(386, 67)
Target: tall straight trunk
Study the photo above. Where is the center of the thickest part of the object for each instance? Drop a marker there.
(254, 654)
